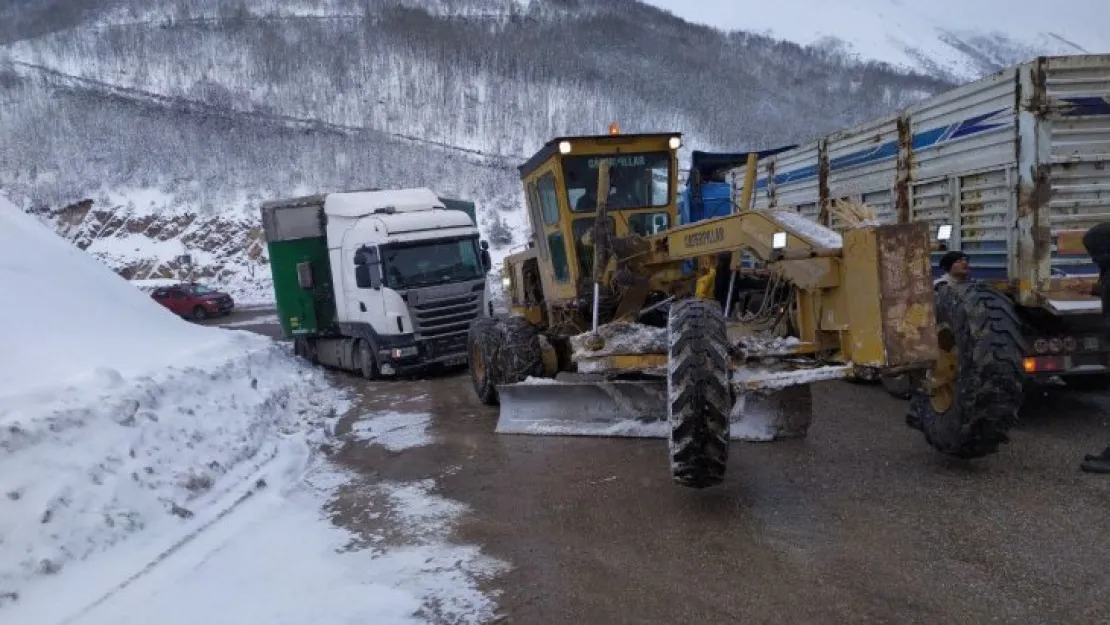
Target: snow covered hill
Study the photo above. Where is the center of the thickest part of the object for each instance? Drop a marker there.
(139, 158)
(953, 38)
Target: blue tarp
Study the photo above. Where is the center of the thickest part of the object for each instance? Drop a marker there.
(707, 194)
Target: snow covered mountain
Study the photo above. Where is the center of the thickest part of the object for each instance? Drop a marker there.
(951, 38)
(148, 132)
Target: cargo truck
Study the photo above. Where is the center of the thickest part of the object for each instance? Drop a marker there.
(379, 282)
(1011, 169)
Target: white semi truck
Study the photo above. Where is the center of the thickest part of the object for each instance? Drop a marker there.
(380, 282)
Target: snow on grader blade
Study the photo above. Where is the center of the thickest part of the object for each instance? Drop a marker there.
(584, 407)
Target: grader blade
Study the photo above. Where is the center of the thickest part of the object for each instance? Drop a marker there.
(623, 408)
(638, 409)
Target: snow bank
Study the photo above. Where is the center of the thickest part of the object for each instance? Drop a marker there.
(401, 567)
(90, 468)
(71, 320)
(116, 416)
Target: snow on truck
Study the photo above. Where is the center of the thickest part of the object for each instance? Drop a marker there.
(380, 282)
(1011, 169)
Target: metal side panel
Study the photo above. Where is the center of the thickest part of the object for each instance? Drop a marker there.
(985, 213)
(1077, 99)
(931, 202)
(969, 128)
(863, 162)
(293, 221)
(784, 179)
(883, 203)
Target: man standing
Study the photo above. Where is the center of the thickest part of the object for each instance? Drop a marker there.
(1097, 243)
(956, 267)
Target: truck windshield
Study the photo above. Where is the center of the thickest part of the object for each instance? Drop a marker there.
(640, 180)
(425, 263)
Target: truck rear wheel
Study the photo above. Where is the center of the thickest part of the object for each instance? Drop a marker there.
(483, 345)
(968, 401)
(699, 397)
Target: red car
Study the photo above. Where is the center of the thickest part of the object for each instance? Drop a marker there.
(194, 300)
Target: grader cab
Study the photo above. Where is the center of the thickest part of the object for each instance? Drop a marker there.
(616, 328)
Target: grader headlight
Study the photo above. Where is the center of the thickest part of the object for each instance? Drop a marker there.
(675, 143)
(778, 240)
(944, 232)
(564, 147)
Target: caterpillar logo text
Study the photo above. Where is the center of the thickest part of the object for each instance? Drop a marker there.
(706, 237)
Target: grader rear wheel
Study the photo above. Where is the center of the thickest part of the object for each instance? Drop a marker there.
(971, 397)
(699, 398)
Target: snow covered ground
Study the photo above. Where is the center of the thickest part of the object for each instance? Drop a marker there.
(153, 470)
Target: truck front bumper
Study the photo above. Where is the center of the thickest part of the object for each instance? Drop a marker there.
(410, 359)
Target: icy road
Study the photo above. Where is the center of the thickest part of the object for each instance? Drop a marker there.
(861, 522)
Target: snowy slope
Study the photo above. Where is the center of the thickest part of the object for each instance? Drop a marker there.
(117, 417)
(77, 319)
(965, 39)
(149, 467)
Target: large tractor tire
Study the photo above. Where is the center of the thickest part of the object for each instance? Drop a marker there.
(897, 386)
(968, 401)
(699, 397)
(483, 350)
(520, 354)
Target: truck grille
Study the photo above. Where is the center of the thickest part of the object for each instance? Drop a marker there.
(440, 319)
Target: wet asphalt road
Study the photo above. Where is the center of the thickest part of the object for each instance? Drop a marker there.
(859, 523)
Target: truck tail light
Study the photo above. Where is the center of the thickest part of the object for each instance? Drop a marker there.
(1041, 364)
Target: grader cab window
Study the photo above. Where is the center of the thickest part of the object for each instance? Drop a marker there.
(549, 201)
(559, 261)
(635, 180)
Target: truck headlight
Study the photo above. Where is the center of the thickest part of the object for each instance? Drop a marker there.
(506, 282)
(402, 352)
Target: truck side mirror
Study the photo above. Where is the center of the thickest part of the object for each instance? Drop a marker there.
(484, 244)
(368, 269)
(487, 262)
(366, 277)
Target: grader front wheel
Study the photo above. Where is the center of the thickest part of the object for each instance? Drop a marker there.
(971, 397)
(699, 398)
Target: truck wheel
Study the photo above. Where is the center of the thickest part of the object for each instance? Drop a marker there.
(199, 313)
(303, 348)
(699, 397)
(521, 355)
(483, 344)
(365, 360)
(969, 400)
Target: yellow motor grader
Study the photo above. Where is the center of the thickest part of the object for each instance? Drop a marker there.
(616, 329)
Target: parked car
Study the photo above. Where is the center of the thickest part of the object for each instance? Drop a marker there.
(193, 300)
